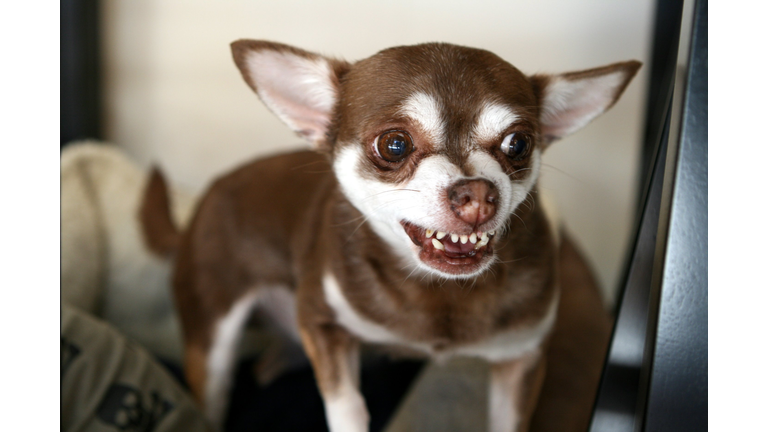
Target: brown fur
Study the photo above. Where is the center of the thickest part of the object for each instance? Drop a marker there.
(232, 244)
(373, 89)
(160, 233)
(576, 349)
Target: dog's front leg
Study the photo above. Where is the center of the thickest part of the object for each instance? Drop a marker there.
(513, 392)
(335, 357)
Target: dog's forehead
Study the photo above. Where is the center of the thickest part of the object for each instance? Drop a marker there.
(430, 83)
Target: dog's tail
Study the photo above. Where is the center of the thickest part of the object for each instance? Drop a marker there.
(161, 234)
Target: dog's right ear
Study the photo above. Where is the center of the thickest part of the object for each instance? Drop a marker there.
(300, 87)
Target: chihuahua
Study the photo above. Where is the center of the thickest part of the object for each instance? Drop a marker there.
(416, 221)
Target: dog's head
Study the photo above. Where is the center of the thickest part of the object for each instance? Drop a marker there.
(435, 144)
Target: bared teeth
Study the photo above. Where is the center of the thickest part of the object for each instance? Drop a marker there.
(479, 238)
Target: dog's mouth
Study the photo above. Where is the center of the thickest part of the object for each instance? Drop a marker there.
(453, 253)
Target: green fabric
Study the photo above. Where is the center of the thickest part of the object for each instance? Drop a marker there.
(110, 384)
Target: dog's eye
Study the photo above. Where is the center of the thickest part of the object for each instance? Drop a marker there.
(394, 146)
(515, 145)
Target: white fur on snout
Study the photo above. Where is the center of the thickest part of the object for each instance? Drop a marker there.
(511, 194)
(493, 120)
(384, 205)
(421, 200)
(424, 110)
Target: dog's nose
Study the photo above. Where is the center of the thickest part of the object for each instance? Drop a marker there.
(473, 201)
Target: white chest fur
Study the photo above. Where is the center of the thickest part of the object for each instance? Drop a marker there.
(499, 347)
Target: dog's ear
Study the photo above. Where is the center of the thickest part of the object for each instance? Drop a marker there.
(300, 87)
(569, 101)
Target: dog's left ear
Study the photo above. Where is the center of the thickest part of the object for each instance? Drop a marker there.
(569, 101)
(300, 87)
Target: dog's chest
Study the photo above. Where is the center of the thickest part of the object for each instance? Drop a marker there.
(491, 346)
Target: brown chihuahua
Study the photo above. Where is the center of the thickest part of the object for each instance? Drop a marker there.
(416, 222)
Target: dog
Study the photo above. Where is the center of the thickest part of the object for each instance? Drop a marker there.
(415, 222)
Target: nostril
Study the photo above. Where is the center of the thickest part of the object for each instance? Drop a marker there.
(473, 201)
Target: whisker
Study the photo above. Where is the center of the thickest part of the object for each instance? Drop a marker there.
(362, 216)
(571, 176)
(512, 261)
(309, 164)
(521, 220)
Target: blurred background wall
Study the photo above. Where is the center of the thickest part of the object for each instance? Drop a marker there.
(173, 96)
